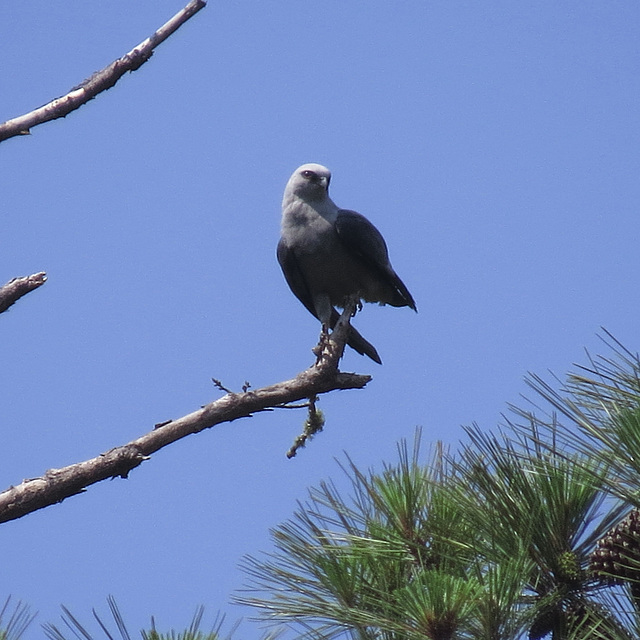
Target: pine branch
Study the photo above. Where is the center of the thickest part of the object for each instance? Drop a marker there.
(18, 287)
(100, 80)
(57, 484)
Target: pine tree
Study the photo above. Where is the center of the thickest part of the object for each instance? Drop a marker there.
(530, 532)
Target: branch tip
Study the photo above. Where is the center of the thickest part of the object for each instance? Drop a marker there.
(11, 292)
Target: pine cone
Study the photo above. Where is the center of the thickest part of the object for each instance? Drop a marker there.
(616, 558)
(569, 567)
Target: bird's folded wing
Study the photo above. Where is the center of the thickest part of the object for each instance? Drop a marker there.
(294, 276)
(364, 241)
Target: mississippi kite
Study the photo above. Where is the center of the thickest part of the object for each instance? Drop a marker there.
(328, 254)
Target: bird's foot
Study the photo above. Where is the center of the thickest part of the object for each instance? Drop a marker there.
(323, 343)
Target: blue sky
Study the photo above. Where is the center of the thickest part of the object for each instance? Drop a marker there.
(495, 145)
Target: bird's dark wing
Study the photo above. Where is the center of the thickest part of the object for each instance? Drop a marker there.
(294, 276)
(298, 285)
(362, 240)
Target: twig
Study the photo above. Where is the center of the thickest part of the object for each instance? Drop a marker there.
(57, 484)
(99, 81)
(218, 384)
(18, 287)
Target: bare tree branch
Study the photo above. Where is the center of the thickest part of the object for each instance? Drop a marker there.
(100, 80)
(18, 287)
(57, 484)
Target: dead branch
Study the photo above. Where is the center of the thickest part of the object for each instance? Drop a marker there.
(100, 80)
(57, 484)
(18, 287)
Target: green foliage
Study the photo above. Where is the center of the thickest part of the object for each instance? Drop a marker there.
(75, 629)
(493, 542)
(19, 619)
(601, 407)
(398, 560)
(192, 633)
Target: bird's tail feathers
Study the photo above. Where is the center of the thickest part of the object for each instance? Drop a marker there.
(356, 341)
(362, 346)
(403, 297)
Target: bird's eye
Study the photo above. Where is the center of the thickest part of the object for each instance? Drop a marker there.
(308, 174)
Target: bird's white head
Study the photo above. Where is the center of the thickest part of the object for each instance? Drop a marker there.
(310, 182)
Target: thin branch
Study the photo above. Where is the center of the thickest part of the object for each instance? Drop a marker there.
(57, 484)
(100, 80)
(18, 287)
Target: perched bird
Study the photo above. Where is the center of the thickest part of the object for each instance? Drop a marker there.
(328, 254)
